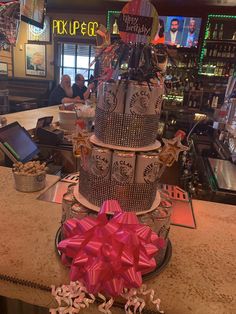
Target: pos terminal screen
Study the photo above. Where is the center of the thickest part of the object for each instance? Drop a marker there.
(18, 142)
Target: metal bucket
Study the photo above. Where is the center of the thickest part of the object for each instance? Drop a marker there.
(30, 183)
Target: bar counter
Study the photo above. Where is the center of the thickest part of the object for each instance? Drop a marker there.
(28, 118)
(200, 277)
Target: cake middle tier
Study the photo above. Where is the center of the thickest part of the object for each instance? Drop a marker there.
(136, 197)
(125, 129)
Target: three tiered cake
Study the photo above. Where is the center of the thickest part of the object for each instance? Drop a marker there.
(123, 163)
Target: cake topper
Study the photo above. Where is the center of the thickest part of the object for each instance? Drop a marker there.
(138, 22)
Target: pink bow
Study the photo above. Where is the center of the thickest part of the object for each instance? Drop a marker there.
(109, 255)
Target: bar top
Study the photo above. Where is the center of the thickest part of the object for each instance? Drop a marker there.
(28, 118)
(200, 277)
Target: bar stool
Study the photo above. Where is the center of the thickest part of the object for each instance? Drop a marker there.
(4, 101)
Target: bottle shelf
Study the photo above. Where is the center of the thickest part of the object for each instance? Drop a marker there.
(212, 74)
(189, 110)
(221, 41)
(187, 68)
(226, 59)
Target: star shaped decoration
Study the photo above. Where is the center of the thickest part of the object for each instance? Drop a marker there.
(82, 147)
(171, 150)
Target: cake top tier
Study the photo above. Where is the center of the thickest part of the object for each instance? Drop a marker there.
(133, 61)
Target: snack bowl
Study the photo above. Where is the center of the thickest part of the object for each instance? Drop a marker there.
(30, 182)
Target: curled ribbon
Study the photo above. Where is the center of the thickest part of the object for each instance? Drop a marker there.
(74, 297)
(109, 255)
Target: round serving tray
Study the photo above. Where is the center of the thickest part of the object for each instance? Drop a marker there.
(82, 200)
(148, 276)
(154, 146)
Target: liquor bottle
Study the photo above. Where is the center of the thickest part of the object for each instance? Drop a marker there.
(216, 51)
(225, 69)
(233, 52)
(229, 52)
(209, 32)
(221, 32)
(220, 69)
(224, 53)
(190, 102)
(208, 103)
(210, 52)
(215, 33)
(214, 103)
(231, 71)
(216, 71)
(115, 30)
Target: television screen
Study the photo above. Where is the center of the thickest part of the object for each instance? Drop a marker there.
(32, 12)
(178, 31)
(17, 142)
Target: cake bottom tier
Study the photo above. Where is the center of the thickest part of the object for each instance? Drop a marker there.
(135, 197)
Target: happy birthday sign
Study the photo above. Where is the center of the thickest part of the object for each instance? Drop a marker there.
(138, 22)
(135, 24)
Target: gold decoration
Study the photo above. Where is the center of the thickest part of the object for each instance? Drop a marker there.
(82, 148)
(171, 150)
(102, 36)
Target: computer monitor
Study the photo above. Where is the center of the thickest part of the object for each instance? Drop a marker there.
(16, 143)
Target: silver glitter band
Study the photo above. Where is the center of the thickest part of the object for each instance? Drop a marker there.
(136, 197)
(125, 129)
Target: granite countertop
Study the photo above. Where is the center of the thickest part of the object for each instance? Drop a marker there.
(199, 279)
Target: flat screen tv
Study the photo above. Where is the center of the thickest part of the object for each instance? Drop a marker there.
(16, 143)
(178, 31)
(32, 12)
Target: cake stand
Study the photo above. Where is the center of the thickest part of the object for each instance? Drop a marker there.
(154, 146)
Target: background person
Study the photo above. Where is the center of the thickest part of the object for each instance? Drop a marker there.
(63, 93)
(191, 39)
(173, 37)
(160, 35)
(79, 89)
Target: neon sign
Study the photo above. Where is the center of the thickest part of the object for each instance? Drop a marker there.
(74, 28)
